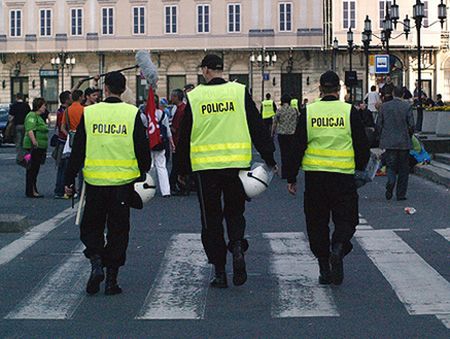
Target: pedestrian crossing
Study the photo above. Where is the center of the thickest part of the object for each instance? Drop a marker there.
(180, 288)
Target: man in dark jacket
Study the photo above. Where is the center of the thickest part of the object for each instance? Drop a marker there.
(330, 146)
(395, 127)
(220, 123)
(19, 111)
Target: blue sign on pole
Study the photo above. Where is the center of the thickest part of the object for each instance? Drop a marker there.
(382, 64)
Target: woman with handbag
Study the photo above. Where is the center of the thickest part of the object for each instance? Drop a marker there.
(35, 142)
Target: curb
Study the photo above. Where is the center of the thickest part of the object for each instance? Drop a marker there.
(13, 223)
(436, 174)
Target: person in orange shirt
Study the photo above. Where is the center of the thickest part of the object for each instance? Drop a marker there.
(71, 119)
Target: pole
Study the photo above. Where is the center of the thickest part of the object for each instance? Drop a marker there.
(419, 78)
(62, 77)
(366, 51)
(350, 57)
(334, 60)
(262, 74)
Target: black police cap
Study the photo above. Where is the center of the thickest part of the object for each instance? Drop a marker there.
(213, 62)
(329, 79)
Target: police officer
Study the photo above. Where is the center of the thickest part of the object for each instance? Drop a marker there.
(294, 102)
(111, 143)
(221, 121)
(331, 144)
(268, 110)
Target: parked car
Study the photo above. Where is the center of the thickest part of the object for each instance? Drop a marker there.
(4, 114)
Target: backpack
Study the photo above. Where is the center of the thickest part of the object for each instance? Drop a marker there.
(163, 134)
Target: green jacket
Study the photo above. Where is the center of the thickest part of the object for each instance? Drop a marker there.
(35, 123)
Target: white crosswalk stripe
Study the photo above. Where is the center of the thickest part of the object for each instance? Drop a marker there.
(420, 288)
(445, 232)
(296, 270)
(180, 288)
(58, 295)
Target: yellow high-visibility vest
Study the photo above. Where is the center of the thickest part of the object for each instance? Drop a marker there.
(294, 103)
(267, 109)
(330, 144)
(220, 137)
(110, 158)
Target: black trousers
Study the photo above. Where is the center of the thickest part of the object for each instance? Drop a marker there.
(286, 143)
(173, 178)
(268, 123)
(211, 186)
(330, 194)
(397, 164)
(104, 208)
(37, 158)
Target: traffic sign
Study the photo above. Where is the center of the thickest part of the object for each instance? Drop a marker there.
(382, 64)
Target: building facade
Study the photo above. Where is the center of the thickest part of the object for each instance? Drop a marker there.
(403, 50)
(271, 46)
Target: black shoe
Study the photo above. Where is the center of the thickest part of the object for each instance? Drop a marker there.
(239, 272)
(325, 272)
(111, 287)
(97, 275)
(401, 198)
(220, 279)
(337, 264)
(388, 195)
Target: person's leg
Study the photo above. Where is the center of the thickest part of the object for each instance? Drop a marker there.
(317, 215)
(173, 179)
(283, 141)
(403, 174)
(91, 234)
(234, 208)
(33, 172)
(20, 132)
(62, 166)
(159, 159)
(391, 172)
(344, 209)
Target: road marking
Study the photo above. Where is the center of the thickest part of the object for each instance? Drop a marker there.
(297, 271)
(59, 294)
(11, 251)
(445, 319)
(362, 221)
(419, 287)
(181, 286)
(364, 227)
(445, 232)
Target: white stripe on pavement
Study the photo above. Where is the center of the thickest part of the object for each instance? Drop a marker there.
(445, 232)
(181, 286)
(419, 287)
(11, 251)
(445, 319)
(362, 221)
(58, 295)
(297, 271)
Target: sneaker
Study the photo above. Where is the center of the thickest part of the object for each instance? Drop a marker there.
(57, 196)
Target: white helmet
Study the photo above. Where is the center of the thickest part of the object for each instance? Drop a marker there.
(255, 181)
(145, 189)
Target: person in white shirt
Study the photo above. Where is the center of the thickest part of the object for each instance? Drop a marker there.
(373, 101)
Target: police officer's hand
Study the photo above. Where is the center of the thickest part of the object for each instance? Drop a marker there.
(182, 179)
(292, 188)
(69, 190)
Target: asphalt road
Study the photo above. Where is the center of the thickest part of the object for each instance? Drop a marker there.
(396, 283)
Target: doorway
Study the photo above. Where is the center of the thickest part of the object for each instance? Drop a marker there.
(19, 85)
(291, 83)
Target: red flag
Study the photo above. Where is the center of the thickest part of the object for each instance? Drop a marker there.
(153, 127)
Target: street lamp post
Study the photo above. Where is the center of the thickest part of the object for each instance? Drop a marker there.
(335, 50)
(61, 61)
(263, 59)
(366, 39)
(350, 51)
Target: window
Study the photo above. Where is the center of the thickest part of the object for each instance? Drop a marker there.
(46, 22)
(425, 7)
(203, 18)
(382, 11)
(349, 13)
(285, 17)
(76, 21)
(107, 21)
(171, 19)
(234, 18)
(138, 20)
(174, 82)
(15, 19)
